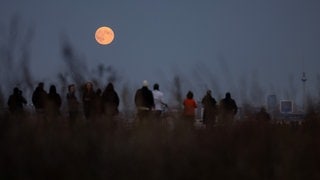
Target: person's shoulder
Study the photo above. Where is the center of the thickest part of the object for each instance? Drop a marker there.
(114, 93)
(138, 91)
(157, 92)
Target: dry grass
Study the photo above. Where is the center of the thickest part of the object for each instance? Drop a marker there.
(33, 148)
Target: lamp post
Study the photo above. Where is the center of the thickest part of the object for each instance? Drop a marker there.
(304, 79)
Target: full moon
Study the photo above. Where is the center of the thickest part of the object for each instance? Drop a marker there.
(104, 35)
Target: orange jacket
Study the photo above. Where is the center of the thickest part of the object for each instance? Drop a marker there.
(189, 107)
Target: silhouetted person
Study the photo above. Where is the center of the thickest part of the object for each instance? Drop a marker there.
(88, 98)
(158, 101)
(189, 109)
(263, 115)
(209, 109)
(39, 97)
(110, 101)
(73, 103)
(144, 101)
(228, 109)
(16, 101)
(53, 102)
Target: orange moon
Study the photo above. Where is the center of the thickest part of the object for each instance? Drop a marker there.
(104, 35)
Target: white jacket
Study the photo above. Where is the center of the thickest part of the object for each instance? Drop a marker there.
(158, 99)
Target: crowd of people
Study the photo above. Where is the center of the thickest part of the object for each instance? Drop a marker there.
(96, 103)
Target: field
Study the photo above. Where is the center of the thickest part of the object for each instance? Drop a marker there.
(37, 148)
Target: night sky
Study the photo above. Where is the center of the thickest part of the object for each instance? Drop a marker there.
(247, 47)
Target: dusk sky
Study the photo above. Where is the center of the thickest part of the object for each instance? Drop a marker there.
(241, 45)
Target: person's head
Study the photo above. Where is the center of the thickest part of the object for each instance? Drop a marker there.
(89, 86)
(109, 87)
(98, 91)
(71, 88)
(263, 109)
(156, 86)
(15, 90)
(228, 95)
(145, 83)
(209, 92)
(41, 85)
(189, 95)
(53, 89)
